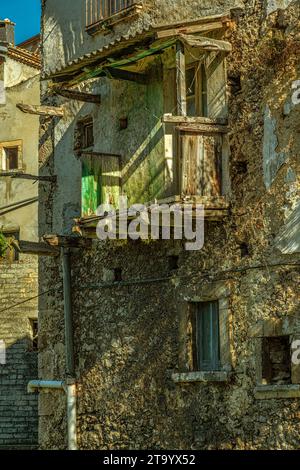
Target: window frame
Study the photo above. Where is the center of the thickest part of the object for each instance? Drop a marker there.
(186, 372)
(200, 95)
(199, 362)
(267, 363)
(86, 127)
(9, 145)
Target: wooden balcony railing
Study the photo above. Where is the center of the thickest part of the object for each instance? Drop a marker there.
(97, 10)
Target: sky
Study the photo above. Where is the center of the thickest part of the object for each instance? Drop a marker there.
(25, 13)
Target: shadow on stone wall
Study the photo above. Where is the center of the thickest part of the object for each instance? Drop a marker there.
(18, 409)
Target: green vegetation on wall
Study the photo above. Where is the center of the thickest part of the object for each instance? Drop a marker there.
(3, 245)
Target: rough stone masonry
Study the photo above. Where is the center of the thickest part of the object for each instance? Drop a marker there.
(136, 386)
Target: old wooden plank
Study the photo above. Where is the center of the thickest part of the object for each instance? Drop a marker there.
(224, 17)
(41, 110)
(169, 118)
(201, 164)
(204, 128)
(215, 63)
(78, 95)
(203, 28)
(206, 44)
(181, 79)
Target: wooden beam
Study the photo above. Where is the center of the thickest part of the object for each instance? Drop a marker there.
(206, 44)
(121, 74)
(25, 176)
(201, 28)
(204, 128)
(59, 241)
(41, 110)
(78, 95)
(35, 248)
(169, 118)
(181, 79)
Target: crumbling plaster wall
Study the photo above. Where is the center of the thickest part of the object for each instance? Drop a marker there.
(128, 338)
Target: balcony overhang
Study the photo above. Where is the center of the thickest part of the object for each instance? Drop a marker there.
(216, 209)
(122, 51)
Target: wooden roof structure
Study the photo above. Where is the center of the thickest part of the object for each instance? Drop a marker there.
(129, 48)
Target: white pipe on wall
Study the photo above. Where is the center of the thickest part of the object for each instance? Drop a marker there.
(72, 416)
(70, 390)
(35, 385)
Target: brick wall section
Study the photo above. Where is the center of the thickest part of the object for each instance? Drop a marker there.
(18, 409)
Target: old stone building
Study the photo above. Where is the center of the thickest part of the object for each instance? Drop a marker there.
(19, 80)
(157, 346)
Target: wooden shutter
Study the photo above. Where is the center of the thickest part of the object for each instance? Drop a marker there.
(215, 66)
(201, 164)
(91, 187)
(208, 336)
(100, 182)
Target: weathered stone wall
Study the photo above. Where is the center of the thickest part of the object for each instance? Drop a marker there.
(129, 339)
(18, 409)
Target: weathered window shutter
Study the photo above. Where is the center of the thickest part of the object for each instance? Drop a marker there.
(201, 173)
(215, 66)
(91, 186)
(101, 181)
(208, 336)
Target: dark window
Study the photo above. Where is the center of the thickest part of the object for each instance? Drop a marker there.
(173, 262)
(11, 158)
(88, 134)
(118, 274)
(34, 334)
(206, 335)
(196, 90)
(244, 250)
(276, 360)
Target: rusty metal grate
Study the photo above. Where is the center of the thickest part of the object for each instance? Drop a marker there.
(97, 10)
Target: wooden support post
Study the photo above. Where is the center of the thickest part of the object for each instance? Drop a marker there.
(40, 110)
(181, 79)
(78, 95)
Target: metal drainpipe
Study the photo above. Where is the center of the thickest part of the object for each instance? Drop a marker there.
(69, 352)
(69, 386)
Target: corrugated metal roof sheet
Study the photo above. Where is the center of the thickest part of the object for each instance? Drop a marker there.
(122, 42)
(116, 44)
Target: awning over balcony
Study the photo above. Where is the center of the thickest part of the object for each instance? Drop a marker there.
(122, 51)
(202, 43)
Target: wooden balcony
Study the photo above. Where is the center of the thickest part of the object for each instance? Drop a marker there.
(201, 163)
(104, 13)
